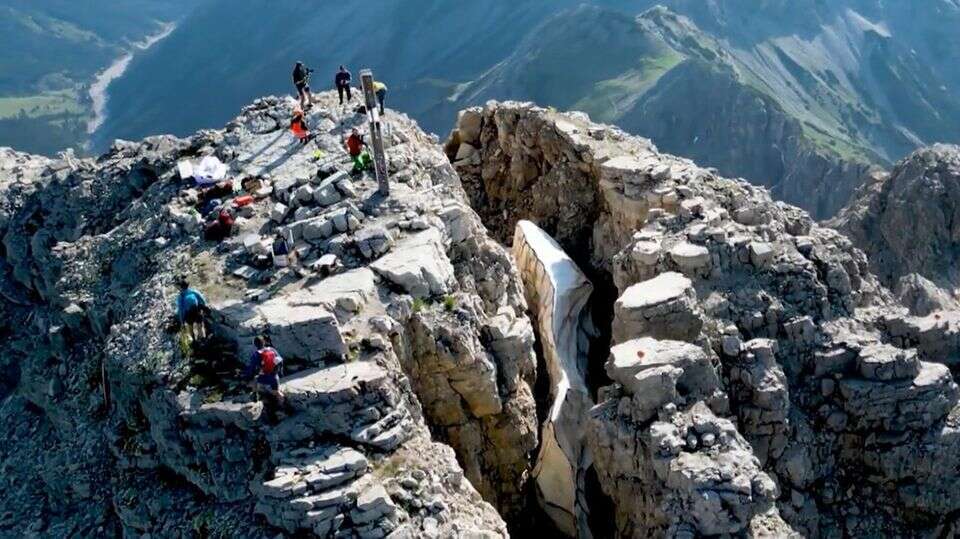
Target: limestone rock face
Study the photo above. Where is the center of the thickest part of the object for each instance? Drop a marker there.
(921, 296)
(408, 365)
(762, 378)
(419, 266)
(737, 370)
(905, 221)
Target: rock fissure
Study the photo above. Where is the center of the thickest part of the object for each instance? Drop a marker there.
(747, 385)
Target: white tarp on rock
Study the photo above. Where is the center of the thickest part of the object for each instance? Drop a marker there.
(209, 170)
(557, 292)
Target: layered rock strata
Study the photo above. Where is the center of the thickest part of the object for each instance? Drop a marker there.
(760, 381)
(409, 360)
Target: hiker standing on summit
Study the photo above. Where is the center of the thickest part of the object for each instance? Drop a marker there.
(381, 90)
(301, 79)
(342, 81)
(264, 367)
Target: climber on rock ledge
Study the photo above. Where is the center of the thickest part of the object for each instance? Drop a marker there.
(264, 368)
(191, 310)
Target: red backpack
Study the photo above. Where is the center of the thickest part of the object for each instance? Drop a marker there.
(268, 361)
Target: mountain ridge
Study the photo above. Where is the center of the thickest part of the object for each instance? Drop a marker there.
(734, 348)
(842, 76)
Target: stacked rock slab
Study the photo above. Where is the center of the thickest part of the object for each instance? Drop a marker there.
(557, 292)
(837, 424)
(664, 307)
(101, 390)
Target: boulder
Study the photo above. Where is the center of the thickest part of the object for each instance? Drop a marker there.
(626, 172)
(316, 229)
(922, 296)
(628, 359)
(646, 252)
(312, 389)
(304, 324)
(884, 362)
(761, 254)
(876, 404)
(664, 307)
(373, 241)
(327, 195)
(304, 194)
(690, 257)
(279, 212)
(418, 265)
(469, 124)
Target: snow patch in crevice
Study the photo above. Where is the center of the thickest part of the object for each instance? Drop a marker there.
(557, 294)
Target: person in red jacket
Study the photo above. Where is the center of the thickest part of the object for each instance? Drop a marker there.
(221, 227)
(355, 145)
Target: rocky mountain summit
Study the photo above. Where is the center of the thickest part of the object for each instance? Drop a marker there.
(906, 221)
(405, 339)
(547, 324)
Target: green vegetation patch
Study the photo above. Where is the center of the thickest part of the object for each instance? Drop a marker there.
(836, 145)
(64, 102)
(610, 99)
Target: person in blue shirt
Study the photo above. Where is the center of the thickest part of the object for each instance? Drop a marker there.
(263, 369)
(191, 306)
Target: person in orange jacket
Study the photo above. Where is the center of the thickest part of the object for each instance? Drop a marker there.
(298, 126)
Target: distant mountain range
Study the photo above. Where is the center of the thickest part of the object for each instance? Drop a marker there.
(799, 96)
(802, 96)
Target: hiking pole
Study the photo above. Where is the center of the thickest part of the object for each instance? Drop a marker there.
(376, 135)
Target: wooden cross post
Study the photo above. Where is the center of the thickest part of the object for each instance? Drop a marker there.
(376, 132)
